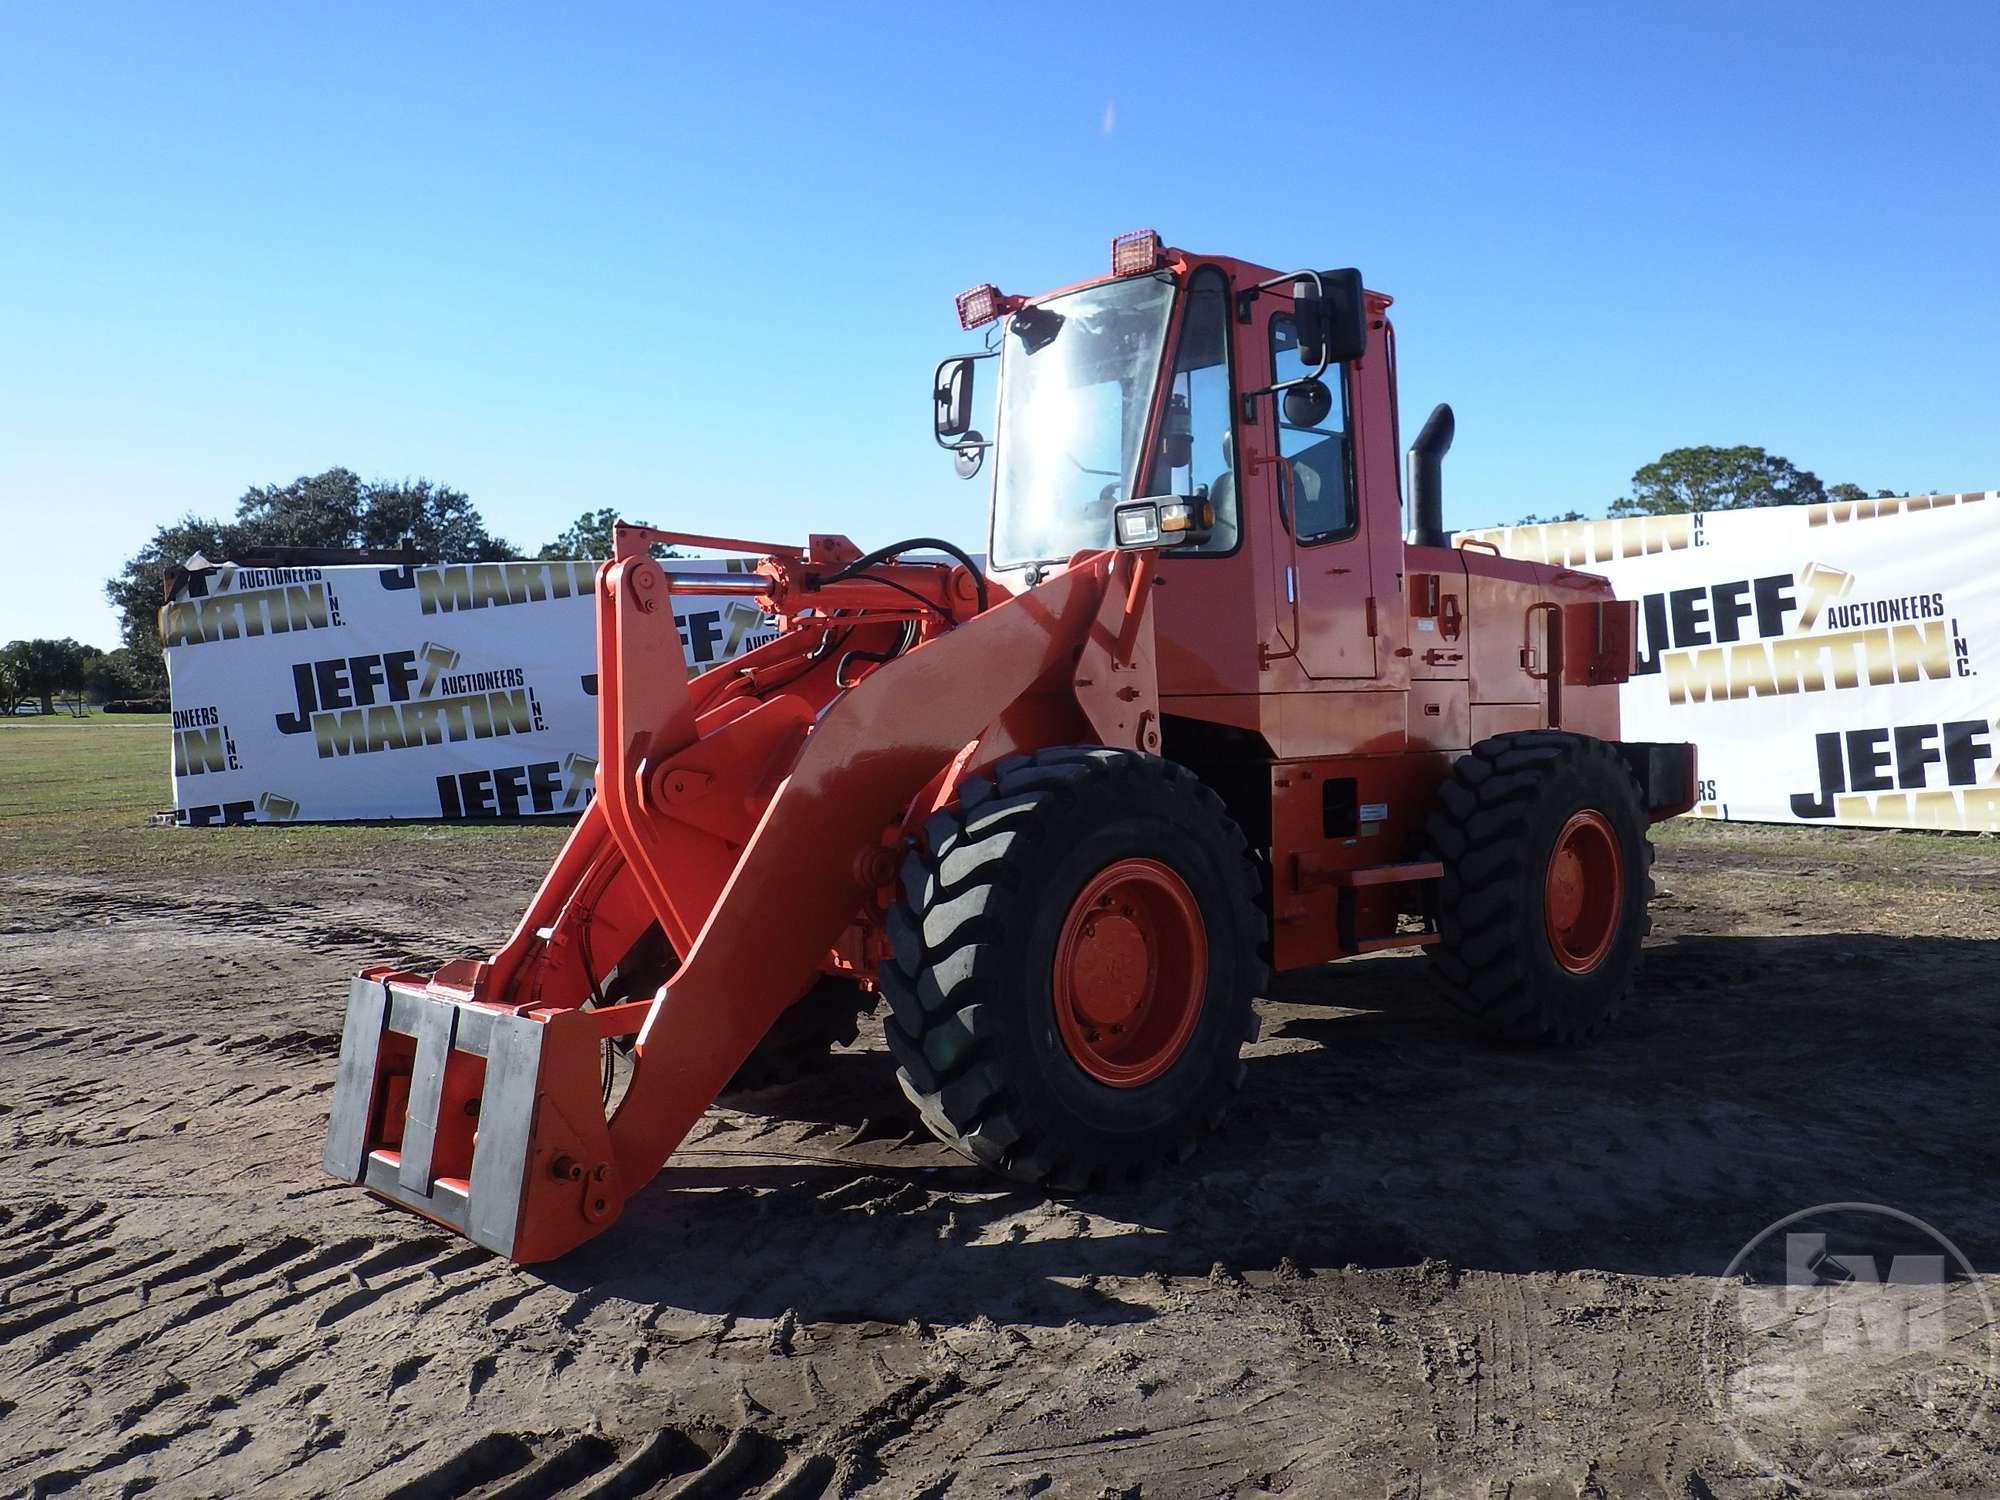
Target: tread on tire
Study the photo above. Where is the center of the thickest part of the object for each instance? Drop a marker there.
(971, 1016)
(1497, 818)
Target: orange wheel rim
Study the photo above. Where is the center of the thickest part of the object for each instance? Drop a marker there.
(1131, 970)
(1583, 893)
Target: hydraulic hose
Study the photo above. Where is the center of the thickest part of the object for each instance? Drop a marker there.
(936, 544)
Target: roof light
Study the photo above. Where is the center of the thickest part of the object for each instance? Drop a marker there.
(980, 305)
(1135, 252)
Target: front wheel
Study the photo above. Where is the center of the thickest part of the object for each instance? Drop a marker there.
(1076, 953)
(1543, 905)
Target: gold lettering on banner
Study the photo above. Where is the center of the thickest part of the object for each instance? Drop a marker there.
(1840, 512)
(1807, 664)
(254, 612)
(424, 721)
(1575, 544)
(1965, 810)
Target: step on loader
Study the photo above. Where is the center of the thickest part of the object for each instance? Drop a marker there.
(1207, 710)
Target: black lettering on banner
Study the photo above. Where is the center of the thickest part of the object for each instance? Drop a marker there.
(1868, 760)
(1896, 757)
(215, 814)
(340, 682)
(1712, 614)
(1964, 748)
(514, 791)
(701, 635)
(398, 700)
(1774, 602)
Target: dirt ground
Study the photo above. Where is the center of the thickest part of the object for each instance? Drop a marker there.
(1415, 1263)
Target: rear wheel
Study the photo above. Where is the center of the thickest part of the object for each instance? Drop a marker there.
(1076, 953)
(1543, 905)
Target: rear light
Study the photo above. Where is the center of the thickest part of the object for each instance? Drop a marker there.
(1135, 252)
(980, 305)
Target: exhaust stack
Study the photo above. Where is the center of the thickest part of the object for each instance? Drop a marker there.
(1427, 478)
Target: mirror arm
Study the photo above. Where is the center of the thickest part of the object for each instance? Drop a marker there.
(1326, 351)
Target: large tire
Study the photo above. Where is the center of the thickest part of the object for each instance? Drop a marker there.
(1133, 1052)
(1547, 877)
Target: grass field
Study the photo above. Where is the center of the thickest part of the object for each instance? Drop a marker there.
(76, 794)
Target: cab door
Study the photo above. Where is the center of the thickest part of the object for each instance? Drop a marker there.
(1306, 463)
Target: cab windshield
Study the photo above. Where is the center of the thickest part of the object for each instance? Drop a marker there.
(1076, 386)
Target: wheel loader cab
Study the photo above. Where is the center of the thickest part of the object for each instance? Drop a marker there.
(1313, 668)
(1190, 380)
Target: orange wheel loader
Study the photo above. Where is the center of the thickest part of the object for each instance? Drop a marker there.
(1206, 710)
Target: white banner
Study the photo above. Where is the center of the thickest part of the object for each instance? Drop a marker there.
(1833, 663)
(462, 690)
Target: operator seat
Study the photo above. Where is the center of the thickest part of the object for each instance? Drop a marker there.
(1222, 495)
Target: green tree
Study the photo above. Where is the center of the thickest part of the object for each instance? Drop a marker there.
(1568, 515)
(46, 669)
(589, 535)
(1740, 478)
(121, 674)
(314, 510)
(332, 509)
(1847, 494)
(138, 589)
(444, 522)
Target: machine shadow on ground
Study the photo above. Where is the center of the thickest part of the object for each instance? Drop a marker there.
(1749, 1077)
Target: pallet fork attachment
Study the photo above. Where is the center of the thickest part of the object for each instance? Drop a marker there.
(473, 1096)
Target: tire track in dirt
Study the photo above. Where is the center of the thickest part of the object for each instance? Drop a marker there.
(814, 1302)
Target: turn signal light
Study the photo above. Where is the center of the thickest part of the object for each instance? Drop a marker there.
(978, 306)
(1186, 515)
(1135, 252)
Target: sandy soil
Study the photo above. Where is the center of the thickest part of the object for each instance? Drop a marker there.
(1415, 1263)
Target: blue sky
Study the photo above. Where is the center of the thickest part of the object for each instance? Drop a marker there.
(697, 262)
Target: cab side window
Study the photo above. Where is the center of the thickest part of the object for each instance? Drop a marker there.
(1321, 495)
(1195, 454)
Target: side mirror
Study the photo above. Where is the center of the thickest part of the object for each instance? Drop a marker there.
(1332, 327)
(952, 398)
(1310, 313)
(969, 456)
(1307, 403)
